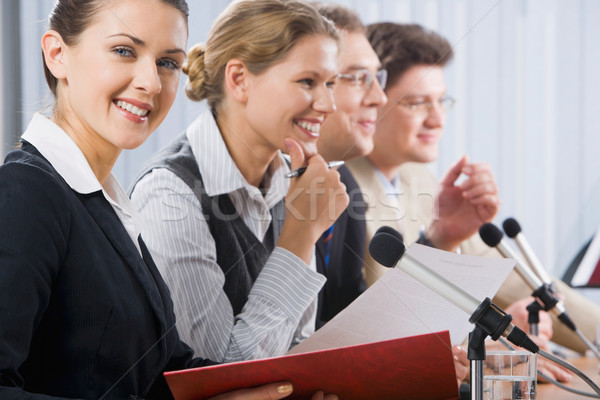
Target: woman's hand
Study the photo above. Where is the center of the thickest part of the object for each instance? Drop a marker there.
(271, 391)
(313, 203)
(461, 363)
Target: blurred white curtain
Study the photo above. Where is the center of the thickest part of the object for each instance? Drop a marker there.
(526, 80)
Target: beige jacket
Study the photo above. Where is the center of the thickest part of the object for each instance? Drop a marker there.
(415, 209)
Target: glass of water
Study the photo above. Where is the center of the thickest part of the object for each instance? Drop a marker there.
(510, 375)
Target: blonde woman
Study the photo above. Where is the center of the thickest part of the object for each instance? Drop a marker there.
(237, 258)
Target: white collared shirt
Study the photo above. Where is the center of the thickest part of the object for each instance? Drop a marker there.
(391, 188)
(68, 160)
(281, 306)
(221, 176)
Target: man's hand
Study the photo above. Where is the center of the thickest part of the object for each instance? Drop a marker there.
(518, 310)
(463, 208)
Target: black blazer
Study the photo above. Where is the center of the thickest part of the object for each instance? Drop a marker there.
(82, 315)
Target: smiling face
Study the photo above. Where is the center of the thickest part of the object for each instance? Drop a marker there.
(122, 75)
(293, 97)
(403, 135)
(348, 132)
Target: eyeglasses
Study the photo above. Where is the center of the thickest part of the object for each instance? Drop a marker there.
(364, 78)
(425, 106)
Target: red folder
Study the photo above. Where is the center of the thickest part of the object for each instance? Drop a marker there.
(417, 367)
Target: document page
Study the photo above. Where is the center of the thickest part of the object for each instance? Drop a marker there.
(397, 305)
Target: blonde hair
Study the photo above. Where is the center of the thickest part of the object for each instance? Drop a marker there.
(257, 32)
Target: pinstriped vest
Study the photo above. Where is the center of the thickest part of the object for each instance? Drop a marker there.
(240, 254)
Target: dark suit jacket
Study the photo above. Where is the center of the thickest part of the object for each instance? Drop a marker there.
(82, 315)
(344, 274)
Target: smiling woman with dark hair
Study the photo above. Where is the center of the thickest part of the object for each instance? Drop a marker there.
(84, 312)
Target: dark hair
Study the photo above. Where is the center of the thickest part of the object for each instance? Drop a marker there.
(71, 17)
(343, 17)
(402, 46)
(259, 33)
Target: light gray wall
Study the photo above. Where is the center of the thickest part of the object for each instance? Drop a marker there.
(10, 74)
(526, 79)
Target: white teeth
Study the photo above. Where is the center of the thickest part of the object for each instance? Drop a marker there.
(315, 128)
(140, 112)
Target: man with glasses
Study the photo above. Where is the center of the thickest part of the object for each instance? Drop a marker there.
(401, 191)
(399, 188)
(347, 134)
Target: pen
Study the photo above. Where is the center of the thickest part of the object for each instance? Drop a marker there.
(300, 171)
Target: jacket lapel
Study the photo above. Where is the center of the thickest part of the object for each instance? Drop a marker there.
(108, 221)
(381, 210)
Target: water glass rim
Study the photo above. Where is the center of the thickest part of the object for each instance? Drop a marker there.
(509, 353)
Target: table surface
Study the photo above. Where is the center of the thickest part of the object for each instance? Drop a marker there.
(588, 365)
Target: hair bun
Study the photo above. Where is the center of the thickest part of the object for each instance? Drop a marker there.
(193, 67)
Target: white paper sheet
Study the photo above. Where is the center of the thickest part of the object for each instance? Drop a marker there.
(399, 306)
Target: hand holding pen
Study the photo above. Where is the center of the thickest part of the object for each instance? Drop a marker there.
(312, 203)
(299, 171)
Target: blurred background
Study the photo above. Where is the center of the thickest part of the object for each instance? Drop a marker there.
(525, 76)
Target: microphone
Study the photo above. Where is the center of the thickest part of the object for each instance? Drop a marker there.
(513, 231)
(391, 231)
(388, 250)
(492, 236)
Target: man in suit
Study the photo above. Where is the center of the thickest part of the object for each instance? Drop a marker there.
(394, 177)
(346, 134)
(401, 191)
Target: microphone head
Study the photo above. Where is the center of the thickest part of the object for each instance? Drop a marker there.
(386, 249)
(490, 234)
(391, 231)
(511, 227)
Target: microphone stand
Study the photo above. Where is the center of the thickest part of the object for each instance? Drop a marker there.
(488, 317)
(549, 300)
(490, 320)
(544, 292)
(476, 356)
(533, 317)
